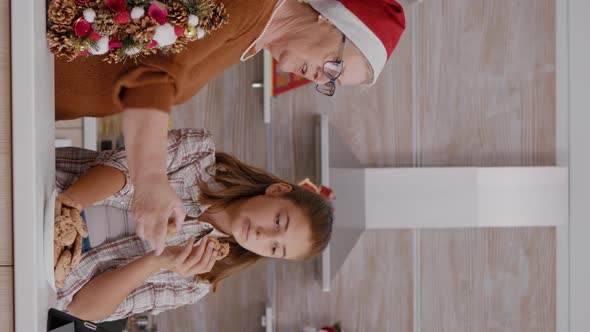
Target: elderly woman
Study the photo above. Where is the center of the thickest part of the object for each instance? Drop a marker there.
(331, 42)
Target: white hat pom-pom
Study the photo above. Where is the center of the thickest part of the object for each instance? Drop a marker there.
(137, 12)
(200, 33)
(89, 15)
(193, 20)
(165, 35)
(101, 47)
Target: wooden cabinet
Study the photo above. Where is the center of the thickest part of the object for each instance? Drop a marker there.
(6, 299)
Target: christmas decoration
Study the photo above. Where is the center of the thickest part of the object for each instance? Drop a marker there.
(324, 191)
(62, 12)
(104, 23)
(178, 14)
(127, 29)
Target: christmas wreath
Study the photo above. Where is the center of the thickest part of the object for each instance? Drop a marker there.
(126, 29)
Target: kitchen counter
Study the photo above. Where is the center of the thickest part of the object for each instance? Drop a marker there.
(33, 160)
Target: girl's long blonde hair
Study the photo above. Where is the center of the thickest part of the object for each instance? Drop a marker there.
(242, 181)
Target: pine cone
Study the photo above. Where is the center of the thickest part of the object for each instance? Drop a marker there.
(178, 14)
(114, 57)
(61, 45)
(148, 51)
(62, 12)
(177, 47)
(60, 29)
(215, 20)
(121, 34)
(205, 8)
(104, 23)
(142, 29)
(96, 4)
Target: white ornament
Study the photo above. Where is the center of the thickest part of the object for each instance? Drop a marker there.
(89, 15)
(101, 47)
(137, 12)
(200, 33)
(165, 35)
(193, 20)
(132, 50)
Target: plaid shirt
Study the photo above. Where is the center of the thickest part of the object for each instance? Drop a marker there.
(189, 153)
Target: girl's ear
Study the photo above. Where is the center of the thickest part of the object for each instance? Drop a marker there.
(277, 189)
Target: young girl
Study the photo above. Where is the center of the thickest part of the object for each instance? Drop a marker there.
(259, 214)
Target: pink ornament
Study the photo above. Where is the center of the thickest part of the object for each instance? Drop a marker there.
(82, 28)
(113, 43)
(179, 31)
(122, 18)
(158, 13)
(94, 36)
(117, 6)
(152, 44)
(81, 2)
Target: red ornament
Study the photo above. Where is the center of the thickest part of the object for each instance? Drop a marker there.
(324, 191)
(113, 43)
(81, 2)
(117, 6)
(178, 31)
(152, 44)
(122, 18)
(82, 28)
(328, 329)
(158, 13)
(94, 36)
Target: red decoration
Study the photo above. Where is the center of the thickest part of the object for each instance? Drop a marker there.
(324, 191)
(117, 6)
(94, 36)
(113, 43)
(81, 2)
(122, 18)
(82, 28)
(152, 44)
(158, 13)
(178, 31)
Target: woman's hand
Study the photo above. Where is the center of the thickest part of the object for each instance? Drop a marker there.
(154, 206)
(189, 260)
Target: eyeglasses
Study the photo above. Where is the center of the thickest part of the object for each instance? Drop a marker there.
(332, 70)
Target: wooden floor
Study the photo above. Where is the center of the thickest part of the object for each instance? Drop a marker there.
(232, 111)
(483, 95)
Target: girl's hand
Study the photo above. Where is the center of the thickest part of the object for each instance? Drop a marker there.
(187, 260)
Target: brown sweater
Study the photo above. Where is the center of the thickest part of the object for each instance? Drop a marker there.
(90, 87)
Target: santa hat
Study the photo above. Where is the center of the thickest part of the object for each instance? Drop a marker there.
(374, 26)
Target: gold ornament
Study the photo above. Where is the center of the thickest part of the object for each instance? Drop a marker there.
(190, 31)
(83, 47)
(62, 11)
